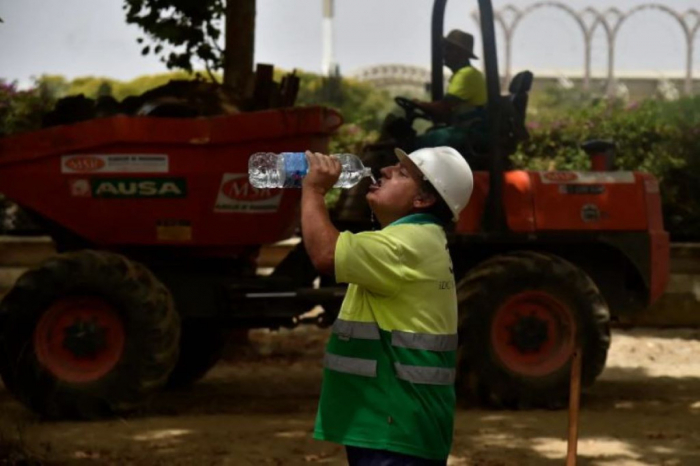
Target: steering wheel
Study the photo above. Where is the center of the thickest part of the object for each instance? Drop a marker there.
(412, 110)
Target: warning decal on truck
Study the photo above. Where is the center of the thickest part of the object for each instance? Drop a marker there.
(115, 163)
(553, 177)
(174, 230)
(237, 195)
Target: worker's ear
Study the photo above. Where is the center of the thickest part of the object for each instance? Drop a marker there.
(424, 200)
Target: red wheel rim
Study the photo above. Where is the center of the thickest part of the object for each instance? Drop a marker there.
(533, 333)
(79, 339)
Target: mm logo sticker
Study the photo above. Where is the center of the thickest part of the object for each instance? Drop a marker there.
(240, 189)
(124, 188)
(236, 194)
(83, 164)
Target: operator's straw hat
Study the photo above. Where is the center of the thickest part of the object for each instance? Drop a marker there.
(463, 40)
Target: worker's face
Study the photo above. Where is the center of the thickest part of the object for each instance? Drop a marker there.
(397, 193)
(453, 55)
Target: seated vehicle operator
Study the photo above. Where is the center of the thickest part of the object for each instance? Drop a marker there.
(462, 109)
(460, 116)
(466, 93)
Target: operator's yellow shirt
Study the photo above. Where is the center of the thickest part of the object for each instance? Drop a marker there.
(468, 84)
(389, 367)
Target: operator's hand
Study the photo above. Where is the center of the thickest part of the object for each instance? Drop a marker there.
(440, 111)
(427, 107)
(324, 172)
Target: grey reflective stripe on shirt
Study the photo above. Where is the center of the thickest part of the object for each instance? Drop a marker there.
(362, 330)
(357, 366)
(424, 341)
(425, 375)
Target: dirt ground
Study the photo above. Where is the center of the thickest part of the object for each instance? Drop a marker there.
(258, 406)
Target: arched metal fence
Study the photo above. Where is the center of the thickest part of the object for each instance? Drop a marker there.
(588, 20)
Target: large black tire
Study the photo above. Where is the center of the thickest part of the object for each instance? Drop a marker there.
(16, 221)
(202, 344)
(129, 317)
(521, 316)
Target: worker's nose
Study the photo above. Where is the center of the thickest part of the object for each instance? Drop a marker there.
(386, 172)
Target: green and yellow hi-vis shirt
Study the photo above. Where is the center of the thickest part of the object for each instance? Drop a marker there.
(468, 84)
(389, 367)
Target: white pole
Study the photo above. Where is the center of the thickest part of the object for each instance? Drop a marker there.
(327, 63)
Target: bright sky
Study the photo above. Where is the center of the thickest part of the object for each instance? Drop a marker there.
(90, 37)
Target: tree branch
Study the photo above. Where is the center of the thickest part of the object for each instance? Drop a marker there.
(209, 72)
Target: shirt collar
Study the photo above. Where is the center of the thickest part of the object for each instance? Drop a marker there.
(416, 219)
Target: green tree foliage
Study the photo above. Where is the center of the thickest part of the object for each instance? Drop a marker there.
(359, 103)
(105, 89)
(90, 85)
(187, 33)
(189, 29)
(22, 110)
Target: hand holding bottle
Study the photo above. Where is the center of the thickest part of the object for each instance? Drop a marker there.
(288, 169)
(324, 172)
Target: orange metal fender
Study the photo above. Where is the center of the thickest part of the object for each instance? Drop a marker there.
(517, 198)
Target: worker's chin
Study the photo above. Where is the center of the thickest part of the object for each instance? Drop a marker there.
(373, 200)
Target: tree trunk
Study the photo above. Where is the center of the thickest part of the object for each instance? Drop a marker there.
(240, 45)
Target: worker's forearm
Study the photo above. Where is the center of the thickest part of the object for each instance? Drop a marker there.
(440, 110)
(318, 232)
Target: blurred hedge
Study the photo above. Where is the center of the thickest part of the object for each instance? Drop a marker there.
(655, 136)
(21, 110)
(360, 103)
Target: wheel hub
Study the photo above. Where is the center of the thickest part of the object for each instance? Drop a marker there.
(79, 339)
(528, 334)
(532, 333)
(85, 338)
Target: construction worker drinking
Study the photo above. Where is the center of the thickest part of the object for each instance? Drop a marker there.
(388, 386)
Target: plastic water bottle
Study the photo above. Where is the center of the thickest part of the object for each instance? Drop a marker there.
(287, 170)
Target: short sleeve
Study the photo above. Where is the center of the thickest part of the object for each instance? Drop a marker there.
(371, 260)
(459, 85)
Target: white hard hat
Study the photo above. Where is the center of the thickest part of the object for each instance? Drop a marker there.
(447, 171)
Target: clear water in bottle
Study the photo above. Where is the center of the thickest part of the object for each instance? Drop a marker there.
(287, 170)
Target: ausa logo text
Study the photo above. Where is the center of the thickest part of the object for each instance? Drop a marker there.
(139, 187)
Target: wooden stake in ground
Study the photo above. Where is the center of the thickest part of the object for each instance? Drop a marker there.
(574, 403)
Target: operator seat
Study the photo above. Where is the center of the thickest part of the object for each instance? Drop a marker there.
(512, 125)
(518, 96)
(513, 110)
